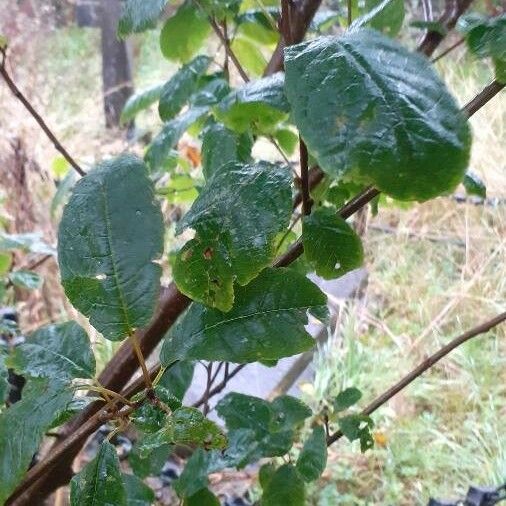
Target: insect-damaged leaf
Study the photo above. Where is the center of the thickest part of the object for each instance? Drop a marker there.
(110, 234)
(371, 111)
(236, 218)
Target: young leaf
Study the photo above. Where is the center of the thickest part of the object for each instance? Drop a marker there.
(189, 426)
(110, 234)
(137, 492)
(266, 322)
(140, 101)
(249, 55)
(221, 9)
(285, 487)
(100, 482)
(158, 152)
(259, 104)
(313, 457)
(23, 425)
(26, 279)
(347, 398)
(383, 15)
(474, 185)
(5, 263)
(184, 33)
(220, 146)
(236, 218)
(203, 497)
(60, 351)
(139, 15)
(358, 427)
(380, 115)
(330, 244)
(180, 87)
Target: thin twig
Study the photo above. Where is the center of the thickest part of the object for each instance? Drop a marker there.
(142, 362)
(304, 177)
(38, 118)
(220, 386)
(447, 50)
(349, 11)
(424, 366)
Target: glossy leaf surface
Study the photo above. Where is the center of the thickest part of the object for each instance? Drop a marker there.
(236, 218)
(266, 322)
(371, 111)
(110, 234)
(313, 457)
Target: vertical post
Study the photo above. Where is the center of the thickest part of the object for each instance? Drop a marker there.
(116, 63)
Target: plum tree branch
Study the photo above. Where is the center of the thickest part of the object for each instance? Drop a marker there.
(38, 118)
(423, 367)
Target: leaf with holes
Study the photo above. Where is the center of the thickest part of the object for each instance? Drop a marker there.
(371, 111)
(330, 244)
(180, 87)
(358, 427)
(60, 351)
(22, 428)
(139, 15)
(236, 218)
(100, 482)
(258, 105)
(184, 33)
(110, 235)
(266, 322)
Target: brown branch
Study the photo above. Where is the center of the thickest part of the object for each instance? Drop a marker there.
(424, 366)
(487, 94)
(448, 50)
(38, 118)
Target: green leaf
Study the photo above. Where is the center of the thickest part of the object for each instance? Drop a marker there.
(148, 462)
(220, 146)
(139, 15)
(265, 474)
(140, 101)
(259, 25)
(260, 105)
(60, 351)
(211, 89)
(189, 426)
(177, 378)
(28, 280)
(5, 263)
(258, 428)
(180, 189)
(474, 185)
(30, 242)
(330, 244)
(486, 37)
(358, 427)
(313, 457)
(22, 427)
(203, 497)
(60, 167)
(4, 41)
(221, 9)
(137, 492)
(380, 114)
(63, 191)
(4, 377)
(383, 15)
(100, 482)
(287, 140)
(347, 398)
(110, 234)
(249, 55)
(236, 218)
(285, 487)
(180, 87)
(287, 413)
(324, 19)
(266, 322)
(158, 152)
(184, 33)
(194, 475)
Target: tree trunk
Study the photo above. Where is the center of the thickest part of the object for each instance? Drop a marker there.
(116, 66)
